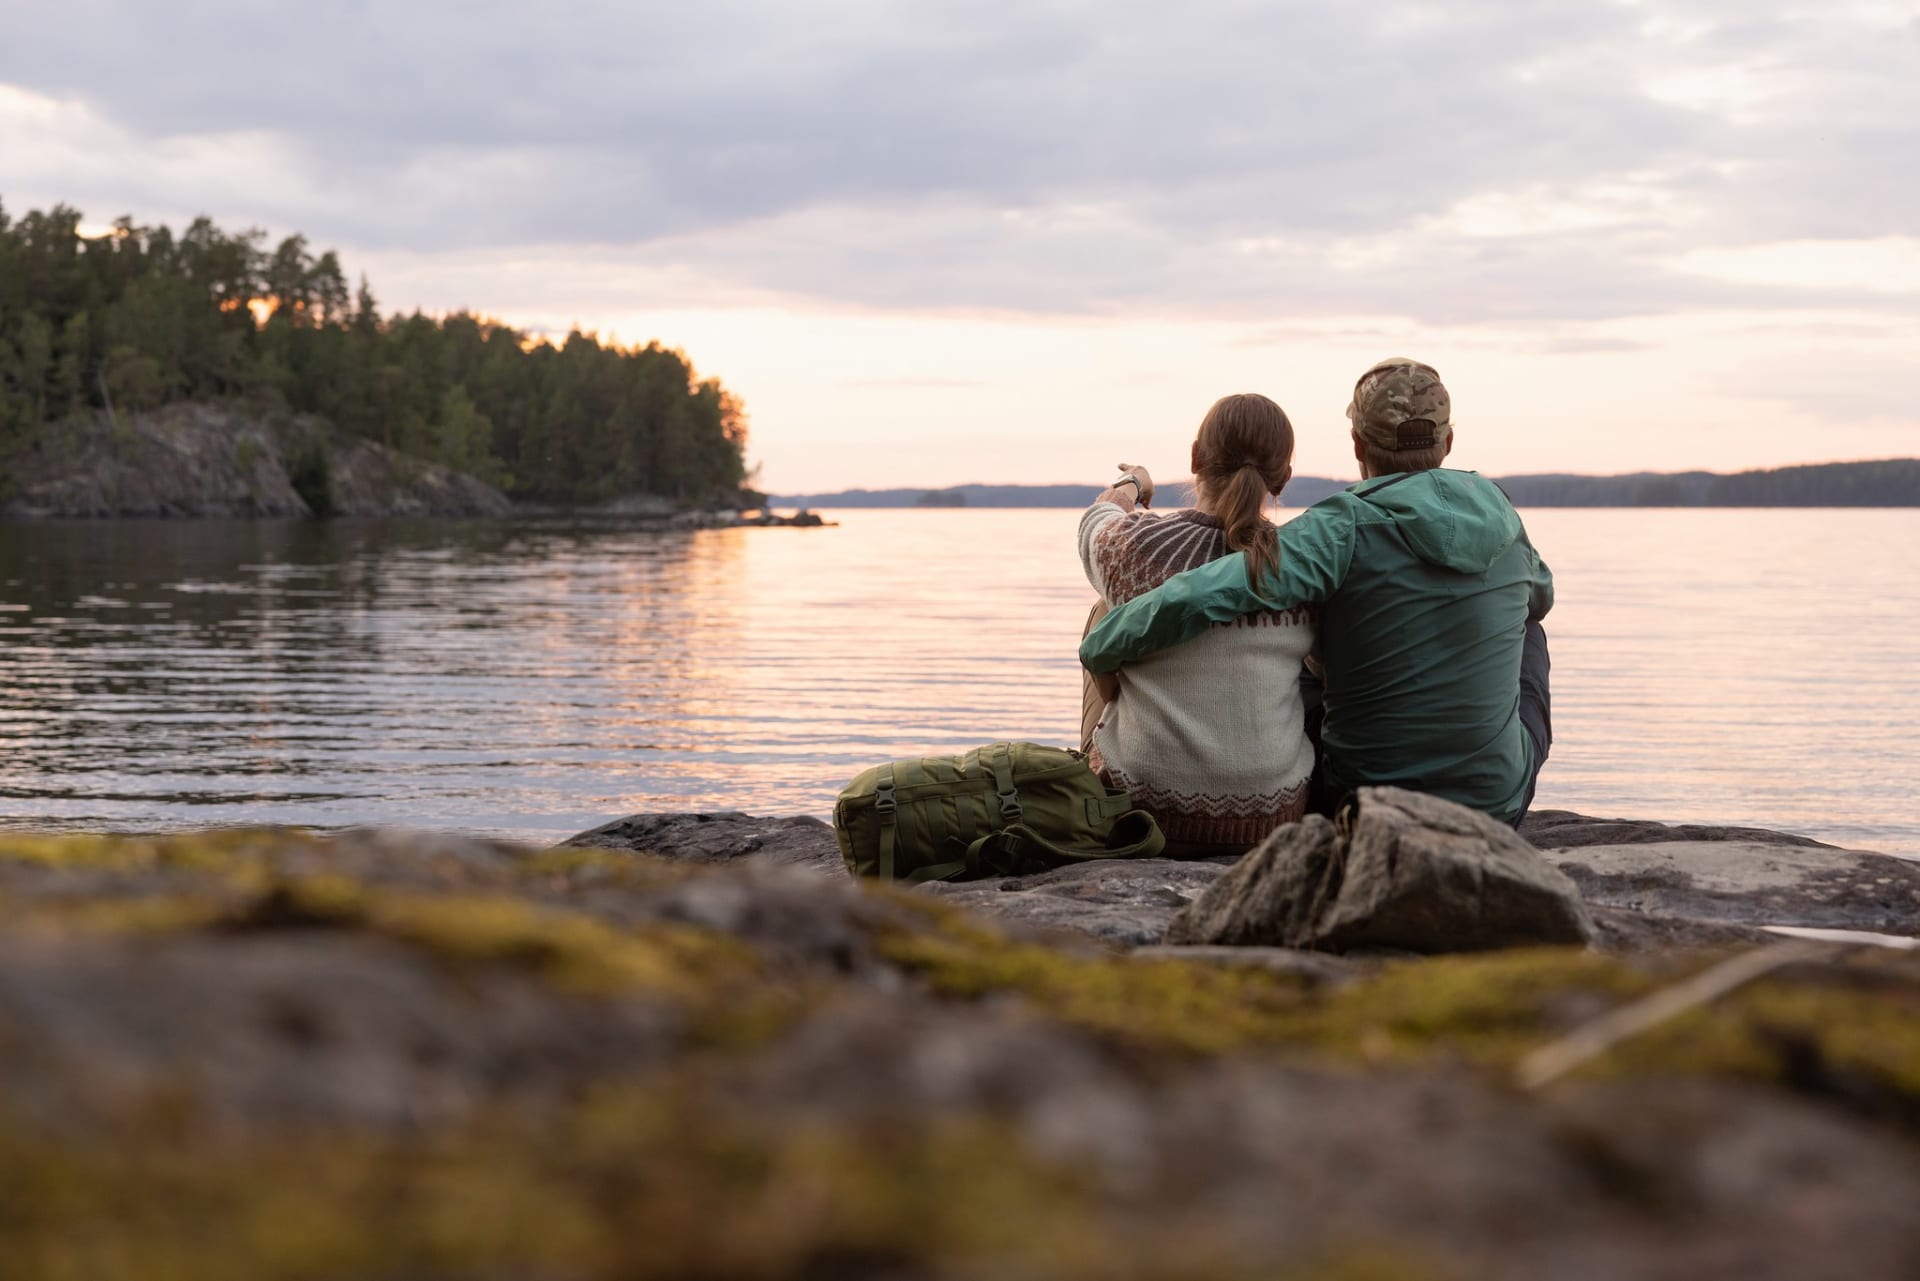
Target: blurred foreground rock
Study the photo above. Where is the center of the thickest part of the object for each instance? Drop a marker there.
(266, 1055)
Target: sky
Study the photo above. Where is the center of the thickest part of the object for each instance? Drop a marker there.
(931, 243)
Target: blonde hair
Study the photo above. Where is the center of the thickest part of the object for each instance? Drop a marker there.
(1241, 454)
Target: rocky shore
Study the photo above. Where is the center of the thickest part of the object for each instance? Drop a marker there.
(691, 1046)
(190, 461)
(213, 461)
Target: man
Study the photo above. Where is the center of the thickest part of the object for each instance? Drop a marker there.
(1436, 664)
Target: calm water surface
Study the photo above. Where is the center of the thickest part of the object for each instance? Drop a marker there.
(535, 678)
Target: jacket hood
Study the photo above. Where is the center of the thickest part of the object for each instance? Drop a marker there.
(1458, 520)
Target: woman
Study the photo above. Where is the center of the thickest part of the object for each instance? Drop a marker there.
(1207, 736)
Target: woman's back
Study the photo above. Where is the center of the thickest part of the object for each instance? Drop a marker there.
(1208, 736)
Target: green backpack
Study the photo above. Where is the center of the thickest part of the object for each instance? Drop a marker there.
(1000, 810)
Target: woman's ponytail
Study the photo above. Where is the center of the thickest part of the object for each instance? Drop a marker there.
(1238, 506)
(1242, 454)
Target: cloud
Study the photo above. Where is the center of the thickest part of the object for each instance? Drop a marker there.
(1883, 265)
(1474, 162)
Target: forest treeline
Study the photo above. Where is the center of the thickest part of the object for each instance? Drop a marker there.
(1892, 482)
(140, 317)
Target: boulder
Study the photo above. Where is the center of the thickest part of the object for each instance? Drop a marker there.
(1408, 872)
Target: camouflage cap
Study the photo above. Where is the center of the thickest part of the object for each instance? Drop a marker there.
(1400, 404)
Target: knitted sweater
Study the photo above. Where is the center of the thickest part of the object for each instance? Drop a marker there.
(1208, 736)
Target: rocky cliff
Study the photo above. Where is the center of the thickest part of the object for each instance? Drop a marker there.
(211, 460)
(689, 1046)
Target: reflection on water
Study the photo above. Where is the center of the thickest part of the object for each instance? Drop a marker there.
(537, 677)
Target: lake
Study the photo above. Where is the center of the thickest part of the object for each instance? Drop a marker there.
(536, 677)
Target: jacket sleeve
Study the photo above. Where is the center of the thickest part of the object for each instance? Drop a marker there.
(1315, 549)
(1540, 597)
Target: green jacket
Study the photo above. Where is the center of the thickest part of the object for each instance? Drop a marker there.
(1426, 582)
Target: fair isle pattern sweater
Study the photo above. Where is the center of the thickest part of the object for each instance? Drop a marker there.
(1208, 736)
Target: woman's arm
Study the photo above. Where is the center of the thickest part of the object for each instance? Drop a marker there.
(1113, 503)
(1133, 483)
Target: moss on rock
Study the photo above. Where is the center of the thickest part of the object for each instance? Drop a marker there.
(754, 1131)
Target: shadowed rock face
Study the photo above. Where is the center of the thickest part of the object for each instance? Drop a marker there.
(1406, 872)
(210, 460)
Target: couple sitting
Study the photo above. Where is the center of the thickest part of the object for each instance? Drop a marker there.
(1413, 598)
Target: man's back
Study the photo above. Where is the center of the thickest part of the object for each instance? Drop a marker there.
(1423, 638)
(1427, 581)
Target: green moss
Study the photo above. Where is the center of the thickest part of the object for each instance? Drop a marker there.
(566, 948)
(1488, 1007)
(1168, 1005)
(1372, 1261)
(1485, 1007)
(169, 914)
(1830, 1032)
(637, 1184)
(664, 1178)
(658, 1180)
(1816, 1033)
(215, 851)
(575, 868)
(239, 889)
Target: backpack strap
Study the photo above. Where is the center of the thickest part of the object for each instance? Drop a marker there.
(1017, 838)
(939, 871)
(884, 807)
(1003, 782)
(1102, 809)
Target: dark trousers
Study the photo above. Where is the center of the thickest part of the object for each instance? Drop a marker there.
(1536, 717)
(1536, 706)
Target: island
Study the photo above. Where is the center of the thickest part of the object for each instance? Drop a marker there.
(200, 372)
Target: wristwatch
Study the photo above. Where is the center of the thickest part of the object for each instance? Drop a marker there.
(1128, 479)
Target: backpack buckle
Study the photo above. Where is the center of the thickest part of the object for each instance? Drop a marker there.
(883, 802)
(1010, 805)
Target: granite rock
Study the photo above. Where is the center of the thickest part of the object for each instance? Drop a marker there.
(1750, 882)
(1406, 872)
(1123, 902)
(214, 460)
(1565, 830)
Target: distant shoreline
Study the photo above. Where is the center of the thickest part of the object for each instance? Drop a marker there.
(1893, 482)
